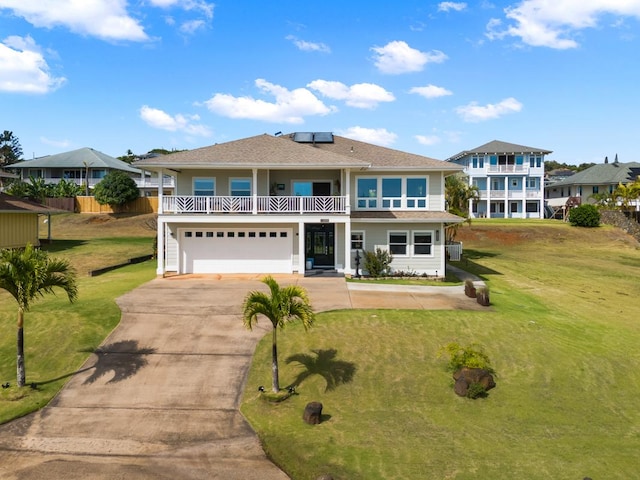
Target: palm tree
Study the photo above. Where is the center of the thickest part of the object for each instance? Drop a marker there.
(27, 274)
(284, 305)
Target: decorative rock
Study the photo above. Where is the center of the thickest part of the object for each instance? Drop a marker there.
(326, 476)
(312, 413)
(468, 376)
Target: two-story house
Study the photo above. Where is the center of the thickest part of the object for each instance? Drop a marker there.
(86, 167)
(509, 177)
(309, 200)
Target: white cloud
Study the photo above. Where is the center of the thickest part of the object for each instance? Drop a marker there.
(545, 23)
(290, 106)
(431, 91)
(308, 46)
(56, 143)
(188, 5)
(177, 123)
(192, 26)
(359, 95)
(478, 113)
(427, 140)
(23, 68)
(447, 6)
(398, 57)
(377, 136)
(105, 19)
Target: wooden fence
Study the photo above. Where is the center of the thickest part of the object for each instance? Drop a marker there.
(89, 205)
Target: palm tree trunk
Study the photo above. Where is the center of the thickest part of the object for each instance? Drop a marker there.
(20, 350)
(274, 362)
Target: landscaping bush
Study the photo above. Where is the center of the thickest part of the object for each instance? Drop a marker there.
(116, 189)
(471, 356)
(469, 289)
(377, 263)
(586, 215)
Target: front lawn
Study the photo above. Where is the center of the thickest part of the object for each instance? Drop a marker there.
(563, 336)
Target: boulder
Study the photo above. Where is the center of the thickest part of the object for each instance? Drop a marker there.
(468, 376)
(312, 413)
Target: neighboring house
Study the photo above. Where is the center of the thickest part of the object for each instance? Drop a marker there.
(509, 177)
(303, 201)
(83, 166)
(600, 178)
(4, 176)
(19, 221)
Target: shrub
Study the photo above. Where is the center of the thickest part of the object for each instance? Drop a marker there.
(471, 356)
(585, 215)
(470, 289)
(476, 390)
(377, 263)
(482, 296)
(116, 188)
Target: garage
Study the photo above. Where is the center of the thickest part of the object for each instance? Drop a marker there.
(236, 250)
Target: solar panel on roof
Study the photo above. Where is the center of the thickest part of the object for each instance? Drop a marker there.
(323, 137)
(303, 137)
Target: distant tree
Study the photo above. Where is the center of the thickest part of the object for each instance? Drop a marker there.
(116, 189)
(550, 165)
(27, 274)
(585, 215)
(129, 157)
(10, 149)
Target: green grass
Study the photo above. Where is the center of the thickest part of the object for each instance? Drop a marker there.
(563, 336)
(60, 336)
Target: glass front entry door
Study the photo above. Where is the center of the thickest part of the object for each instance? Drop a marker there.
(320, 244)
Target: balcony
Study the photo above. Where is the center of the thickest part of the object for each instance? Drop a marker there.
(255, 204)
(522, 169)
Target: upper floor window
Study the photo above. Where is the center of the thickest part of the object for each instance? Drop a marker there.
(535, 161)
(532, 182)
(204, 187)
(391, 192)
(477, 161)
(240, 187)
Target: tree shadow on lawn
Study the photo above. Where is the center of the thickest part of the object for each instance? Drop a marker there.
(56, 246)
(324, 363)
(468, 264)
(123, 358)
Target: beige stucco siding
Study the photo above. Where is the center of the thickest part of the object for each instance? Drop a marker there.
(18, 229)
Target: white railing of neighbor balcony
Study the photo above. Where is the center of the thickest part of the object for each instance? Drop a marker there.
(262, 204)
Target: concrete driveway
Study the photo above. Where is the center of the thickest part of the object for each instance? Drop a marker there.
(160, 398)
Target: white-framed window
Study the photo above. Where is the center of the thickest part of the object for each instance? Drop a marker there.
(240, 187)
(423, 243)
(532, 182)
(98, 173)
(71, 174)
(392, 193)
(532, 207)
(357, 240)
(204, 186)
(398, 242)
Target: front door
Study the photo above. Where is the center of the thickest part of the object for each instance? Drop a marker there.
(320, 244)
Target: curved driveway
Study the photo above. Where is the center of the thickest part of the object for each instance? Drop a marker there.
(160, 398)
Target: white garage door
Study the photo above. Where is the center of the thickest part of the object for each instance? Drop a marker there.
(237, 250)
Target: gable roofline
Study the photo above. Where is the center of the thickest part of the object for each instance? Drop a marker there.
(499, 147)
(80, 158)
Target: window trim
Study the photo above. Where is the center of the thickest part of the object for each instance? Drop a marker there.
(432, 235)
(240, 179)
(406, 242)
(355, 232)
(193, 186)
(377, 202)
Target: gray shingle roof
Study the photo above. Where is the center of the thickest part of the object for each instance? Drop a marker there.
(498, 147)
(602, 174)
(80, 158)
(266, 151)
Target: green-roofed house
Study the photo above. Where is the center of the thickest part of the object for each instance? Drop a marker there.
(82, 164)
(601, 178)
(302, 203)
(509, 177)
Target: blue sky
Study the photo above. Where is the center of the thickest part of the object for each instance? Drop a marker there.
(432, 78)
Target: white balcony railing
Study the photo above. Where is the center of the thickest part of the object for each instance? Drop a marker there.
(508, 169)
(255, 205)
(513, 194)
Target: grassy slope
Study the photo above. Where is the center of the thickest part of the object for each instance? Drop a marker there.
(60, 336)
(562, 335)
